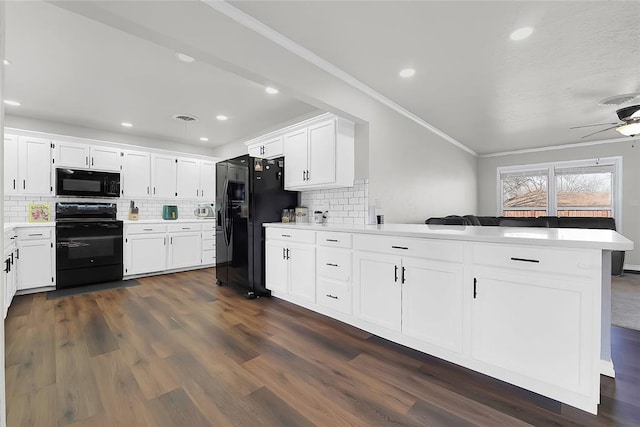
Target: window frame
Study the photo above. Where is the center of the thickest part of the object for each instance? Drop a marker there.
(550, 167)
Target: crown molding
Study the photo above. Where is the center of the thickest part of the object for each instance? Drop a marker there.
(560, 147)
(257, 26)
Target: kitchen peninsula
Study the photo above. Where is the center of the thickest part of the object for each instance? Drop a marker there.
(529, 306)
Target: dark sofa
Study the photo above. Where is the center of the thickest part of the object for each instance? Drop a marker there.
(617, 257)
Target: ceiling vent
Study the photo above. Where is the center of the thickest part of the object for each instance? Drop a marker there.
(187, 118)
(614, 101)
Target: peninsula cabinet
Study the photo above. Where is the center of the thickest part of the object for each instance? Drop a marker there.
(291, 264)
(530, 309)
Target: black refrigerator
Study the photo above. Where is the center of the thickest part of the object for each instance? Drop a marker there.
(249, 192)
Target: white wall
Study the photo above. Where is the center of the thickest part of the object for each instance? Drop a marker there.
(630, 226)
(3, 402)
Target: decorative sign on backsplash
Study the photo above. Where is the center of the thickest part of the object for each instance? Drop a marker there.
(39, 212)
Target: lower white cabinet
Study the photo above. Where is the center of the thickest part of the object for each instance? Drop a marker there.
(35, 258)
(9, 268)
(291, 264)
(184, 249)
(209, 243)
(146, 253)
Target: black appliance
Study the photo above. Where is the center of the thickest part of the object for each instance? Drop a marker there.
(249, 192)
(87, 183)
(88, 244)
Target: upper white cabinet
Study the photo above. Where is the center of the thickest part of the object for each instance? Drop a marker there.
(320, 155)
(208, 180)
(34, 160)
(319, 152)
(136, 174)
(267, 148)
(163, 176)
(188, 178)
(78, 155)
(11, 178)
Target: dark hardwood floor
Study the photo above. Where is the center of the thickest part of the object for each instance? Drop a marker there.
(178, 350)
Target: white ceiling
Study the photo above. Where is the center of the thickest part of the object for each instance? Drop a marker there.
(472, 82)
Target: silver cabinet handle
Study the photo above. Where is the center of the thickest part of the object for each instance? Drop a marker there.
(35, 234)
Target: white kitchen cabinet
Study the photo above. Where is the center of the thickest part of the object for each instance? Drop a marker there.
(334, 270)
(320, 155)
(34, 166)
(9, 267)
(84, 156)
(291, 264)
(207, 180)
(146, 252)
(377, 289)
(432, 302)
(188, 178)
(11, 178)
(136, 174)
(209, 242)
(267, 148)
(163, 176)
(184, 249)
(36, 258)
(535, 326)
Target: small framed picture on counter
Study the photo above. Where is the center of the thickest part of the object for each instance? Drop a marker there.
(39, 212)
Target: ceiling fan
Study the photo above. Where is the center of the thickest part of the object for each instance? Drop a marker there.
(629, 124)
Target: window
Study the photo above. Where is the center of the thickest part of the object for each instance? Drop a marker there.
(578, 188)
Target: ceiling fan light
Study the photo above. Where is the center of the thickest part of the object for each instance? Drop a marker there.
(630, 129)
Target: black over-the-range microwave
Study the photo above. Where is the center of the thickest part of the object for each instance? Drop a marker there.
(87, 183)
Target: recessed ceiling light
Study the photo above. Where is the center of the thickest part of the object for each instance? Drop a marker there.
(12, 103)
(185, 58)
(221, 117)
(271, 90)
(521, 33)
(407, 72)
(7, 62)
(204, 139)
(126, 124)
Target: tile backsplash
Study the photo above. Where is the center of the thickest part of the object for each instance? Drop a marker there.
(349, 205)
(16, 208)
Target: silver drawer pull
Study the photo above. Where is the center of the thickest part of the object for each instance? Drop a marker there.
(400, 247)
(147, 229)
(525, 260)
(332, 296)
(333, 240)
(286, 235)
(186, 228)
(332, 265)
(35, 234)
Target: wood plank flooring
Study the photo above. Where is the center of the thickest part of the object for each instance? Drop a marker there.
(178, 350)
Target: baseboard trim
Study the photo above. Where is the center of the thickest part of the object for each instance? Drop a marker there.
(606, 368)
(631, 268)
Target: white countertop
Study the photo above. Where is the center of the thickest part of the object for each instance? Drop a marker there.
(9, 225)
(560, 237)
(167, 221)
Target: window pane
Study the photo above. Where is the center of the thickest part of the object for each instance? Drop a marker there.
(524, 194)
(584, 193)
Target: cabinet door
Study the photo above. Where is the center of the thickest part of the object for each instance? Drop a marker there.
(146, 253)
(536, 326)
(10, 164)
(163, 176)
(34, 165)
(71, 154)
(188, 178)
(322, 153)
(276, 266)
(35, 253)
(378, 291)
(272, 148)
(208, 180)
(105, 158)
(302, 271)
(136, 174)
(295, 152)
(185, 250)
(432, 302)
(256, 150)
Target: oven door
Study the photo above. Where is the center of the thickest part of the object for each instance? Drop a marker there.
(88, 244)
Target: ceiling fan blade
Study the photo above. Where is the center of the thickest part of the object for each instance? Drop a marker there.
(588, 126)
(600, 131)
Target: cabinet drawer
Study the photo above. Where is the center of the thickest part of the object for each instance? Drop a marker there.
(184, 227)
(207, 226)
(291, 235)
(209, 256)
(145, 228)
(208, 244)
(439, 250)
(338, 240)
(334, 295)
(543, 260)
(33, 233)
(334, 263)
